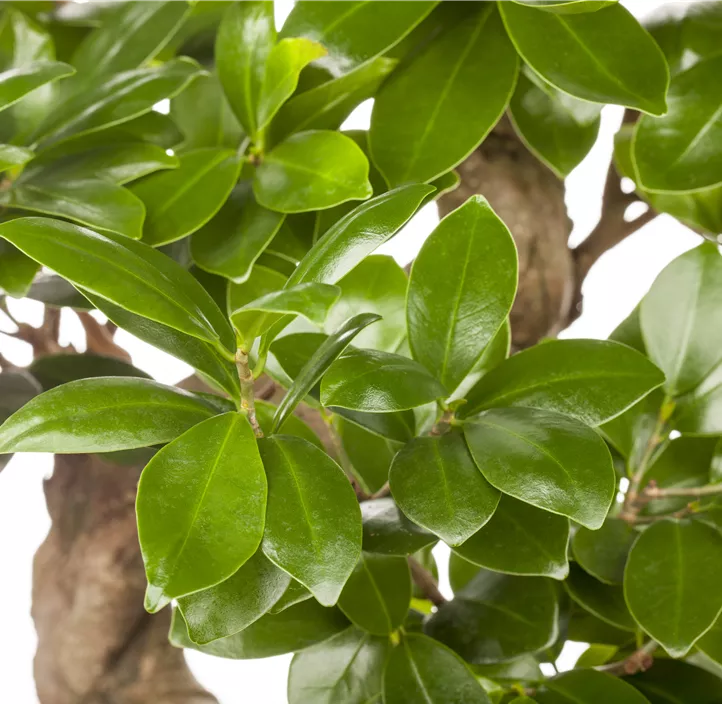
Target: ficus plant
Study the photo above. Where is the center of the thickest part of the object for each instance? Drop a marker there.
(576, 481)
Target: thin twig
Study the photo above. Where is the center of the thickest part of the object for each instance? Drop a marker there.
(248, 404)
(100, 338)
(385, 490)
(639, 661)
(655, 492)
(425, 581)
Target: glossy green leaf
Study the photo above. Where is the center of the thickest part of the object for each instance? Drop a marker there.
(558, 128)
(292, 426)
(430, 114)
(294, 594)
(127, 273)
(461, 571)
(313, 524)
(546, 459)
(16, 389)
(603, 553)
(373, 381)
(592, 380)
(377, 594)
(672, 681)
(298, 627)
(573, 53)
(108, 414)
(310, 171)
(605, 601)
(201, 505)
(369, 455)
(398, 427)
(17, 270)
(671, 582)
(231, 242)
(680, 151)
(482, 622)
(182, 200)
(436, 484)
(11, 156)
(590, 687)
(520, 539)
(354, 33)
(16, 83)
(346, 668)
(698, 412)
(461, 289)
(235, 603)
(679, 318)
(262, 282)
(568, 6)
(319, 362)
(386, 530)
(56, 369)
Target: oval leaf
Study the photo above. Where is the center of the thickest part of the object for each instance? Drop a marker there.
(590, 687)
(387, 531)
(603, 553)
(16, 83)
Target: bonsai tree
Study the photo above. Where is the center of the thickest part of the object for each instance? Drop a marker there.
(345, 415)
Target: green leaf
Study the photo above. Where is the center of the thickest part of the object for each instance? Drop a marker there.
(590, 687)
(558, 128)
(16, 83)
(671, 582)
(319, 362)
(520, 539)
(436, 484)
(482, 623)
(373, 381)
(370, 455)
(435, 110)
(293, 425)
(698, 412)
(679, 318)
(398, 427)
(573, 53)
(182, 200)
(461, 571)
(680, 151)
(568, 6)
(245, 38)
(461, 289)
(420, 669)
(104, 414)
(11, 156)
(127, 273)
(605, 601)
(377, 595)
(603, 553)
(354, 33)
(346, 668)
(112, 102)
(294, 594)
(671, 681)
(16, 389)
(200, 510)
(311, 300)
(298, 627)
(711, 642)
(310, 171)
(387, 531)
(56, 369)
(313, 524)
(17, 270)
(545, 459)
(235, 603)
(231, 242)
(591, 380)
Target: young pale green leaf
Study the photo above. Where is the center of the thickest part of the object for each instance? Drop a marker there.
(679, 318)
(671, 582)
(354, 33)
(373, 381)
(11, 156)
(573, 53)
(245, 38)
(434, 111)
(461, 289)
(231, 242)
(520, 539)
(387, 531)
(422, 670)
(310, 300)
(104, 414)
(17, 270)
(437, 485)
(201, 505)
(592, 380)
(603, 553)
(182, 200)
(235, 603)
(604, 601)
(588, 686)
(298, 627)
(681, 150)
(318, 364)
(311, 171)
(16, 83)
(496, 618)
(346, 668)
(377, 595)
(55, 369)
(313, 523)
(558, 128)
(127, 273)
(546, 459)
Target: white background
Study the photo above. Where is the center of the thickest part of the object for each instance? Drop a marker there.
(612, 289)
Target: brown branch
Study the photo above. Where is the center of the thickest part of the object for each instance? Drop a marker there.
(99, 338)
(639, 661)
(425, 581)
(652, 491)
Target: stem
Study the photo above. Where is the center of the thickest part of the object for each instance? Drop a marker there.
(425, 581)
(639, 661)
(655, 492)
(245, 376)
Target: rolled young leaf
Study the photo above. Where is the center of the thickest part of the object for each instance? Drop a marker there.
(201, 506)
